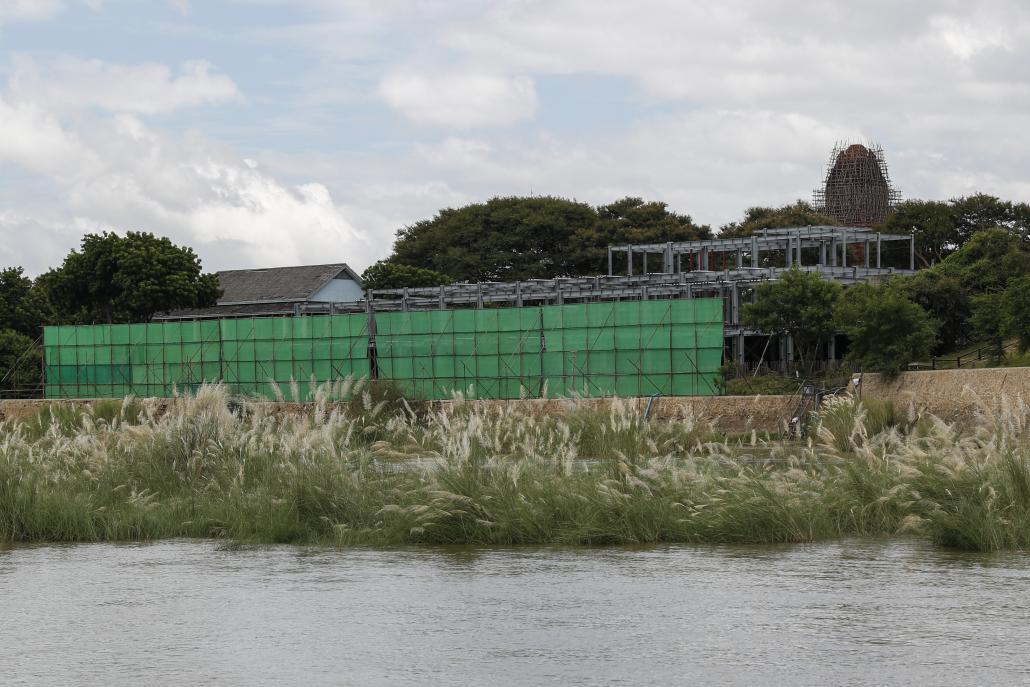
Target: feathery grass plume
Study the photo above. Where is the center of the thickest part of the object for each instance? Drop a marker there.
(364, 466)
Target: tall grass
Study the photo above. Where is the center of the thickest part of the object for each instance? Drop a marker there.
(374, 471)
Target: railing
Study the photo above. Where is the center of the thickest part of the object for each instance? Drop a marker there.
(966, 359)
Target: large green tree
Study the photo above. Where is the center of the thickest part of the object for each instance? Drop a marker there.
(988, 261)
(24, 308)
(947, 300)
(115, 278)
(799, 304)
(629, 220)
(886, 330)
(981, 212)
(798, 214)
(508, 239)
(932, 223)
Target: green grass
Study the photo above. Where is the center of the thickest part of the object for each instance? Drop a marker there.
(377, 473)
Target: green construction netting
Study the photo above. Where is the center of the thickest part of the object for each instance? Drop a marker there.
(632, 348)
(597, 349)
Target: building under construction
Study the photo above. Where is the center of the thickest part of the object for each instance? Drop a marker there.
(661, 321)
(857, 189)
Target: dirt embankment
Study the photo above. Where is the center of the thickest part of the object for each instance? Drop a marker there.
(949, 394)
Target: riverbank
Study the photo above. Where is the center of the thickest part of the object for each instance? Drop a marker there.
(480, 474)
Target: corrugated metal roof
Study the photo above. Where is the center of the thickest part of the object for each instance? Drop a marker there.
(279, 284)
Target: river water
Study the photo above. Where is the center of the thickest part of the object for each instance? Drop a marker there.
(183, 613)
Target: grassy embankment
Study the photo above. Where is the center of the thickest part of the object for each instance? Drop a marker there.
(376, 474)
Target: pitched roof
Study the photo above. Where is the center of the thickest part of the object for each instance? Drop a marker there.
(279, 284)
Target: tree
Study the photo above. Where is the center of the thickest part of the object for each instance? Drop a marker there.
(798, 214)
(989, 322)
(629, 220)
(800, 305)
(987, 262)
(1017, 311)
(24, 308)
(932, 223)
(390, 275)
(21, 360)
(946, 299)
(510, 239)
(117, 279)
(886, 330)
(981, 212)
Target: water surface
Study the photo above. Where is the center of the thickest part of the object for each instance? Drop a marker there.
(182, 612)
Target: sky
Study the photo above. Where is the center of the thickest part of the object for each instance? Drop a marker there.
(280, 132)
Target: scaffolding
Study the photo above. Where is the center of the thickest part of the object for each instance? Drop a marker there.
(857, 188)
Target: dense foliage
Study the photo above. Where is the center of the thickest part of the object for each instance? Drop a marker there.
(509, 239)
(24, 308)
(970, 292)
(128, 279)
(886, 330)
(391, 275)
(799, 214)
(943, 227)
(801, 305)
(21, 364)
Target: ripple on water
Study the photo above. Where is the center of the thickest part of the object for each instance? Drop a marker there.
(853, 612)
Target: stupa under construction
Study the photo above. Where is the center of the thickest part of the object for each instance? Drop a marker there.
(857, 189)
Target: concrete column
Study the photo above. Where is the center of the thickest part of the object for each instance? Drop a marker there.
(799, 250)
(704, 258)
(668, 258)
(740, 258)
(610, 261)
(833, 252)
(844, 251)
(789, 253)
(912, 253)
(629, 262)
(645, 263)
(878, 250)
(865, 250)
(754, 251)
(443, 298)
(679, 263)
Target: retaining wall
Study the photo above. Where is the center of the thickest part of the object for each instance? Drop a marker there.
(949, 394)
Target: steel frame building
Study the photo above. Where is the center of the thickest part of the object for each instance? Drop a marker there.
(727, 268)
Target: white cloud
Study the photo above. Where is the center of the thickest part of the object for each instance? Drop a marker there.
(34, 10)
(119, 174)
(461, 99)
(12, 10)
(967, 38)
(70, 83)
